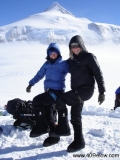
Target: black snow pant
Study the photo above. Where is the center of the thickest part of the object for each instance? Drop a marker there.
(73, 98)
(47, 103)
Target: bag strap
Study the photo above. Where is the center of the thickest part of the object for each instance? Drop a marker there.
(53, 95)
(76, 92)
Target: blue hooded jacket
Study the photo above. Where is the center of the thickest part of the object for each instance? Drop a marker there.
(54, 72)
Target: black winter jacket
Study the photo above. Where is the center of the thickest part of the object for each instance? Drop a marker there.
(84, 70)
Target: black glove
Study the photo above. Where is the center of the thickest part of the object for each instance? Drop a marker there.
(28, 89)
(101, 98)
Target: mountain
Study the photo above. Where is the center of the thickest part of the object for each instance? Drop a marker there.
(56, 24)
(56, 7)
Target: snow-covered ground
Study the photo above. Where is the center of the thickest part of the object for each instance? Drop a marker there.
(19, 62)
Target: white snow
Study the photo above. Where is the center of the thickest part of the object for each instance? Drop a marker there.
(19, 62)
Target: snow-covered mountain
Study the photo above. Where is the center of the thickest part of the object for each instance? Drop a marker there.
(58, 25)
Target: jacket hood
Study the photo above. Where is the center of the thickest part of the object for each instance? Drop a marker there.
(53, 46)
(77, 39)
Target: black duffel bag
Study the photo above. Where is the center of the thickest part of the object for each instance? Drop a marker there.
(22, 112)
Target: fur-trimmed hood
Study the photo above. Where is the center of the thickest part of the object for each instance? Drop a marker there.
(77, 39)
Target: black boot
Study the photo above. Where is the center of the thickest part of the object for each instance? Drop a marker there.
(78, 142)
(41, 126)
(50, 118)
(63, 128)
(49, 141)
(53, 138)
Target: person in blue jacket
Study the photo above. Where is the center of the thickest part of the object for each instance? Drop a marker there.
(54, 70)
(117, 98)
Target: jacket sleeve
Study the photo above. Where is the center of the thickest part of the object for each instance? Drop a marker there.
(97, 73)
(40, 74)
(67, 66)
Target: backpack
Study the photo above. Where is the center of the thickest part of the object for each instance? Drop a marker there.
(23, 112)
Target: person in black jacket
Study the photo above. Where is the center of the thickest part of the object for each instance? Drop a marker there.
(84, 70)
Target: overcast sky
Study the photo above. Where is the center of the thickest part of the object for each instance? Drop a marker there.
(103, 11)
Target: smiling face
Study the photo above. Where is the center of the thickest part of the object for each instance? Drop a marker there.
(75, 48)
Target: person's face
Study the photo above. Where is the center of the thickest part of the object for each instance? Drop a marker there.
(75, 48)
(53, 55)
